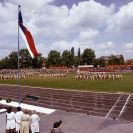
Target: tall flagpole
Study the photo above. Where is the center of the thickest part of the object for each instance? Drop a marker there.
(18, 59)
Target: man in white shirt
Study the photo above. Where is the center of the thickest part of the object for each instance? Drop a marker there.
(34, 122)
(10, 125)
(18, 118)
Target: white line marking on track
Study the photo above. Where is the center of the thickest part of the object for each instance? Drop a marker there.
(124, 105)
(113, 106)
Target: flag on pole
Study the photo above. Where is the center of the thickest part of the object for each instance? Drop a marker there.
(27, 37)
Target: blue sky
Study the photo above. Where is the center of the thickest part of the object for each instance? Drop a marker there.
(103, 25)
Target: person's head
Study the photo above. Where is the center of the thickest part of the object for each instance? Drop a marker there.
(26, 111)
(19, 109)
(9, 109)
(57, 124)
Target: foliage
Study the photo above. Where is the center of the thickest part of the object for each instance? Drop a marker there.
(76, 61)
(54, 58)
(88, 57)
(72, 51)
(11, 62)
(114, 60)
(100, 62)
(79, 52)
(67, 58)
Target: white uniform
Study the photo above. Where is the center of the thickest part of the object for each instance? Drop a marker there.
(10, 120)
(34, 123)
(18, 120)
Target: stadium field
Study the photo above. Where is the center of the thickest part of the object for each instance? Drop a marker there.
(69, 82)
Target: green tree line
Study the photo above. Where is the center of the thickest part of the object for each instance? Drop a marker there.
(55, 58)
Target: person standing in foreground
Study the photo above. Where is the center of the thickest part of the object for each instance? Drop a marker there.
(10, 125)
(25, 122)
(19, 113)
(34, 122)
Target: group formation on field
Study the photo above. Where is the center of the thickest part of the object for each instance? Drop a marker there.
(9, 74)
(98, 76)
(40, 73)
(13, 74)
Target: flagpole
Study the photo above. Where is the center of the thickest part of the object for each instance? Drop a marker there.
(18, 59)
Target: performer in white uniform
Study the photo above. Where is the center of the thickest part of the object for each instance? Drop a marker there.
(10, 125)
(34, 122)
(18, 115)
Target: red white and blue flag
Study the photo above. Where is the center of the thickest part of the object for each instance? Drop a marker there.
(27, 37)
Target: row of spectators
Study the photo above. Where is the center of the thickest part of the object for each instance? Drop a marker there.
(26, 122)
(22, 121)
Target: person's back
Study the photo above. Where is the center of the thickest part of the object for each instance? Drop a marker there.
(18, 116)
(25, 121)
(10, 125)
(34, 122)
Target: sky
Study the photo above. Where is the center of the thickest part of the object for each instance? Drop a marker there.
(106, 26)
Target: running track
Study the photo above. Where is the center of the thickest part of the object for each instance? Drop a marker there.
(107, 105)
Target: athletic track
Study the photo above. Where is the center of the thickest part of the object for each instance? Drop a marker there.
(107, 105)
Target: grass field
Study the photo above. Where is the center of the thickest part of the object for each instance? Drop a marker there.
(124, 85)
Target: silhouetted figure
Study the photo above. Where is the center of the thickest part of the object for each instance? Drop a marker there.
(56, 127)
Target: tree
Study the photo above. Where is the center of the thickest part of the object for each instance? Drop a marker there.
(72, 51)
(88, 57)
(25, 59)
(116, 60)
(121, 60)
(79, 52)
(37, 62)
(100, 62)
(67, 58)
(9, 62)
(76, 61)
(4, 63)
(54, 58)
(13, 60)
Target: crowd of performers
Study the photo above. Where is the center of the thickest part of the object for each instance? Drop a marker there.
(91, 74)
(58, 75)
(13, 74)
(98, 76)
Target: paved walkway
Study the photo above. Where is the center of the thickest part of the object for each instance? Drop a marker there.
(79, 123)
